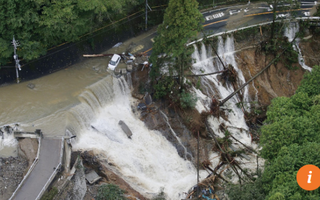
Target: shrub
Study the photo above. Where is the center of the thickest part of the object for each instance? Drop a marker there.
(50, 194)
(187, 100)
(110, 191)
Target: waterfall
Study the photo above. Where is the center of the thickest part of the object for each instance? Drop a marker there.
(186, 153)
(148, 161)
(234, 121)
(7, 140)
(129, 80)
(290, 33)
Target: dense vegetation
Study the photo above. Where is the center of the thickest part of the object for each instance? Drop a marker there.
(41, 24)
(182, 22)
(290, 140)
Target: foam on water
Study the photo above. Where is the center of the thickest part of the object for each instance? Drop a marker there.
(148, 162)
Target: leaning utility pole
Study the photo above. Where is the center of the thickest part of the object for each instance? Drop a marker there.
(15, 57)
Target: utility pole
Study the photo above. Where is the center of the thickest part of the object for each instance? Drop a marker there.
(146, 15)
(147, 6)
(15, 57)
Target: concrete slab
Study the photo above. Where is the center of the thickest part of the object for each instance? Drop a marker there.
(92, 177)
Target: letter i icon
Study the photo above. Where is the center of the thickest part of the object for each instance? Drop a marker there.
(309, 177)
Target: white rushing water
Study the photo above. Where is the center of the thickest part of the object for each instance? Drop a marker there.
(290, 33)
(7, 139)
(148, 161)
(207, 63)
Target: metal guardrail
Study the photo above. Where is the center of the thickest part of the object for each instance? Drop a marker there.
(29, 171)
(242, 28)
(54, 172)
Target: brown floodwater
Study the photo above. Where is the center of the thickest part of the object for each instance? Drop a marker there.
(44, 107)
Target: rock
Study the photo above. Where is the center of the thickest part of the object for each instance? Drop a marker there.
(96, 68)
(125, 128)
(123, 71)
(31, 86)
(142, 106)
(80, 187)
(148, 99)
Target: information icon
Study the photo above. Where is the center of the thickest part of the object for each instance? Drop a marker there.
(308, 177)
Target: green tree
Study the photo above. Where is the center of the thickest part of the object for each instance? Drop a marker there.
(247, 190)
(293, 120)
(110, 191)
(182, 22)
(41, 24)
(310, 82)
(279, 176)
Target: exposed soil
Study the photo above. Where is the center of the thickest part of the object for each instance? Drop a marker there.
(275, 81)
(310, 50)
(13, 169)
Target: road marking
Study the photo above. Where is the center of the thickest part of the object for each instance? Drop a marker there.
(203, 26)
(215, 22)
(137, 48)
(227, 19)
(214, 16)
(276, 12)
(152, 40)
(147, 51)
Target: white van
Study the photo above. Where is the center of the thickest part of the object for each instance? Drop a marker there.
(114, 62)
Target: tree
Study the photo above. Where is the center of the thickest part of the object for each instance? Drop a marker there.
(41, 24)
(293, 120)
(182, 22)
(310, 82)
(278, 6)
(279, 177)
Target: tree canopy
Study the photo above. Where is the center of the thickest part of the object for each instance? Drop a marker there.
(295, 119)
(41, 24)
(182, 22)
(280, 175)
(290, 139)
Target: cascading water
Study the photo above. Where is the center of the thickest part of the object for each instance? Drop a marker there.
(7, 140)
(235, 122)
(129, 80)
(290, 33)
(148, 162)
(186, 153)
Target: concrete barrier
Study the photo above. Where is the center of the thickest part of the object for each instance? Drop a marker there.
(242, 28)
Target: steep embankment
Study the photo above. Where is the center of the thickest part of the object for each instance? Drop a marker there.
(276, 81)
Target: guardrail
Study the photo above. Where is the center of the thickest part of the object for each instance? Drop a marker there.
(242, 28)
(54, 172)
(30, 169)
